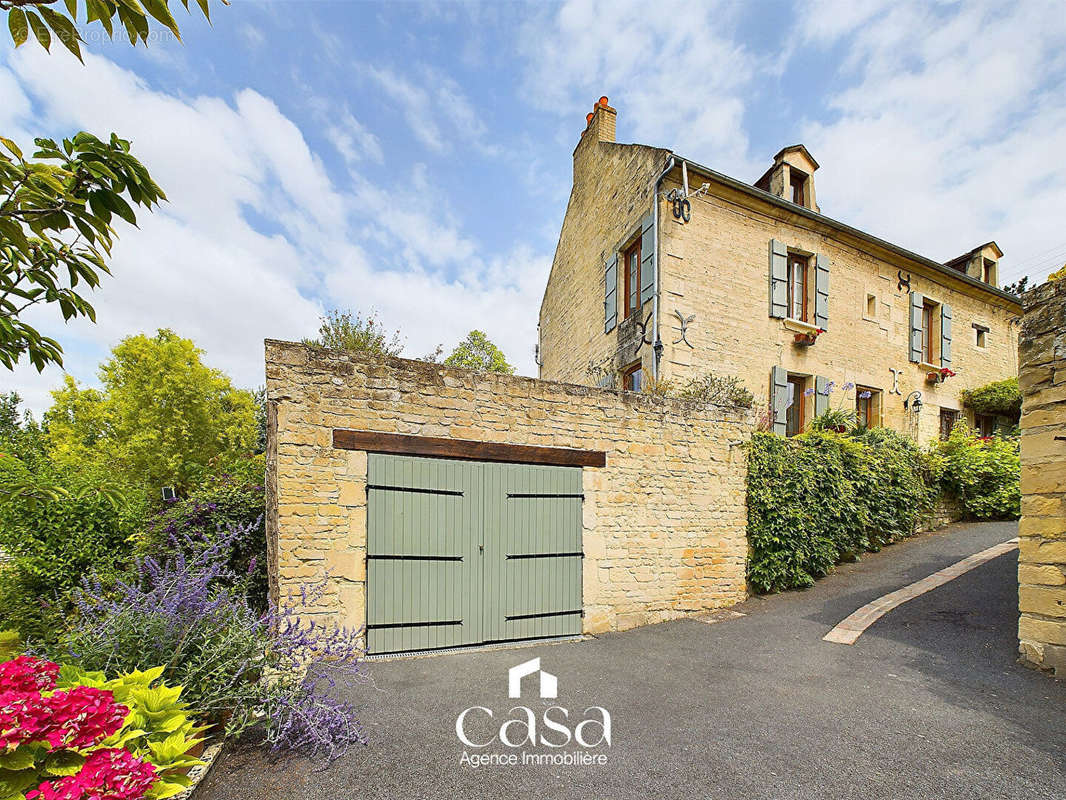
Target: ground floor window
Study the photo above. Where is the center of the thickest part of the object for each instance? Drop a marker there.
(633, 378)
(794, 411)
(867, 407)
(948, 418)
(985, 424)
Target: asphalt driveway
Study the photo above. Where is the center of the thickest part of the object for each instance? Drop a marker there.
(929, 703)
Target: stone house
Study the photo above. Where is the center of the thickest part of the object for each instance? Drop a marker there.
(667, 270)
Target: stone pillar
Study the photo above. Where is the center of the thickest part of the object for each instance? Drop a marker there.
(1042, 531)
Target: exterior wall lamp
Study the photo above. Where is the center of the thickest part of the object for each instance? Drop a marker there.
(913, 401)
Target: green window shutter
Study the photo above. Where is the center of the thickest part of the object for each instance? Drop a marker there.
(779, 399)
(610, 294)
(945, 336)
(778, 279)
(821, 291)
(821, 396)
(647, 258)
(916, 326)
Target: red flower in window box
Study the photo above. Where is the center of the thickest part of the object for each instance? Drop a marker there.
(807, 339)
(940, 375)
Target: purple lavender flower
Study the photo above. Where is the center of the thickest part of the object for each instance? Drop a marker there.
(866, 395)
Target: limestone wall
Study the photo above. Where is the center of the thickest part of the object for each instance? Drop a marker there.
(1042, 531)
(664, 521)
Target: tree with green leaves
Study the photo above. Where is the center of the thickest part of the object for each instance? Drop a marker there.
(354, 333)
(57, 205)
(477, 352)
(162, 418)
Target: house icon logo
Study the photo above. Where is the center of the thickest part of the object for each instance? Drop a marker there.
(549, 684)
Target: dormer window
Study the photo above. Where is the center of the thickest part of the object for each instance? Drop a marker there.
(988, 270)
(797, 185)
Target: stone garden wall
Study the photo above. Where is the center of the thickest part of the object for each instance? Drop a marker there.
(664, 521)
(1042, 531)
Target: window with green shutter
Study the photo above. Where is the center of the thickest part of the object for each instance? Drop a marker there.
(778, 279)
(945, 335)
(610, 294)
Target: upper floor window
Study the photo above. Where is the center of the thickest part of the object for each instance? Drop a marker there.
(632, 279)
(798, 267)
(633, 378)
(797, 183)
(928, 330)
(980, 335)
(988, 274)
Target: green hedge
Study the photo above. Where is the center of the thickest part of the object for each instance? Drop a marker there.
(821, 497)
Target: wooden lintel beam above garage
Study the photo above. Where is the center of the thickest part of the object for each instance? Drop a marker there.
(440, 447)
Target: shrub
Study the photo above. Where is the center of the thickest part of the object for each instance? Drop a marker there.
(721, 390)
(982, 473)
(62, 738)
(239, 667)
(232, 498)
(821, 497)
(57, 527)
(1002, 398)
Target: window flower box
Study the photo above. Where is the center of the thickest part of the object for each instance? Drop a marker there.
(939, 376)
(807, 339)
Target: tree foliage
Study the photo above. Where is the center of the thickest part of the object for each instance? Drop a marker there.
(477, 352)
(160, 419)
(56, 207)
(983, 474)
(56, 211)
(48, 21)
(341, 330)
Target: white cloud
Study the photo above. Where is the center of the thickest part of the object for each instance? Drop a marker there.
(678, 80)
(257, 239)
(353, 140)
(945, 140)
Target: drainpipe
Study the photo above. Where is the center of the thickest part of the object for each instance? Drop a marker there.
(657, 348)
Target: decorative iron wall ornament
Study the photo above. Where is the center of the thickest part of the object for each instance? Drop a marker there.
(685, 322)
(895, 381)
(643, 332)
(903, 281)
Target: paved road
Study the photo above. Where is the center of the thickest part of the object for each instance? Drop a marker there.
(929, 703)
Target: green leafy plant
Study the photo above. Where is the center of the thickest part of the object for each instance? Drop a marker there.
(1001, 398)
(341, 330)
(55, 528)
(823, 497)
(982, 473)
(477, 352)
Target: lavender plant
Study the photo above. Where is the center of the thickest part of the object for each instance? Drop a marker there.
(189, 612)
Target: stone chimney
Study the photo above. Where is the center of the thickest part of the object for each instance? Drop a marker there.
(599, 126)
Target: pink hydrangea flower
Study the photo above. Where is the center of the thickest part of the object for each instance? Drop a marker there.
(28, 674)
(24, 717)
(109, 774)
(83, 716)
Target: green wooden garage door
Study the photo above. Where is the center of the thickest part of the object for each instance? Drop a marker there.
(466, 552)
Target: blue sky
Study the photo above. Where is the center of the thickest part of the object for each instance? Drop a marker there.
(414, 158)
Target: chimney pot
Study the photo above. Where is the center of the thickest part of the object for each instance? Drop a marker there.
(603, 101)
(588, 117)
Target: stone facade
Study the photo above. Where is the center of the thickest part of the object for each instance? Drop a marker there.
(664, 522)
(716, 268)
(1042, 530)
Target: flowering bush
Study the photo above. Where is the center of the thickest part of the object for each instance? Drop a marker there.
(983, 473)
(240, 667)
(63, 741)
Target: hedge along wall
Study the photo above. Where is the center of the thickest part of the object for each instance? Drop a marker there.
(663, 521)
(820, 498)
